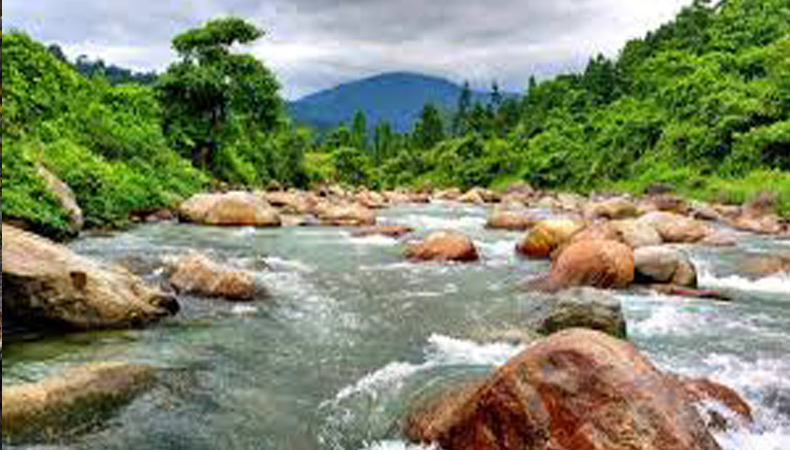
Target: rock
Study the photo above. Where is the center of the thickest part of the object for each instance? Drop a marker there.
(474, 196)
(79, 398)
(230, 209)
(575, 390)
(676, 229)
(570, 202)
(764, 204)
(449, 194)
(720, 239)
(444, 246)
(637, 234)
(599, 231)
(581, 308)
(676, 291)
(703, 391)
(771, 224)
(600, 264)
(670, 203)
(612, 209)
(295, 203)
(506, 217)
(347, 215)
(547, 236)
(65, 198)
(393, 231)
(291, 220)
(196, 274)
(703, 211)
(664, 265)
(47, 284)
(372, 200)
(764, 265)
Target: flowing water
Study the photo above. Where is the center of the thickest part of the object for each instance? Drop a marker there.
(352, 334)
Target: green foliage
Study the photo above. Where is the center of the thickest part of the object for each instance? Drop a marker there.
(220, 107)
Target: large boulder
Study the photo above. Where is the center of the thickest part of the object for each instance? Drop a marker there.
(79, 398)
(637, 234)
(613, 209)
(580, 308)
(769, 224)
(474, 196)
(230, 209)
(575, 390)
(547, 236)
(197, 274)
(444, 246)
(64, 196)
(47, 284)
(595, 263)
(295, 203)
(664, 265)
(676, 229)
(348, 214)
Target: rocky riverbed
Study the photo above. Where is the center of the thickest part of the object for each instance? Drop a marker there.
(327, 337)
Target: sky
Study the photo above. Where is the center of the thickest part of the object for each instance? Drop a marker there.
(316, 44)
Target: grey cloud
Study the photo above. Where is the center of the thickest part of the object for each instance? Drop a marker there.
(314, 44)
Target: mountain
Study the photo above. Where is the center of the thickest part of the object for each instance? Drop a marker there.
(396, 97)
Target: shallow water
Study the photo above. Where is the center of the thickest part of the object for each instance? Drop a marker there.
(352, 335)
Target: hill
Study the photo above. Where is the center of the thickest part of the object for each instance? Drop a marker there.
(396, 97)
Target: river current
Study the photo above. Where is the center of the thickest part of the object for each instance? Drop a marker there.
(352, 334)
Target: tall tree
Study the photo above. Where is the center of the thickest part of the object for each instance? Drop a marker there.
(462, 111)
(213, 95)
(429, 130)
(359, 130)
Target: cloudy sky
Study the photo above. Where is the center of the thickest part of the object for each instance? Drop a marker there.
(314, 44)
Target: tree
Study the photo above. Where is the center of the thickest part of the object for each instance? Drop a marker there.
(382, 143)
(462, 112)
(359, 131)
(213, 97)
(429, 130)
(496, 96)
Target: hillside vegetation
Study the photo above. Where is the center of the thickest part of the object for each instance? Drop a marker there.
(701, 105)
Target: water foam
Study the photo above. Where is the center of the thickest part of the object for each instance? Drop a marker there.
(397, 445)
(774, 284)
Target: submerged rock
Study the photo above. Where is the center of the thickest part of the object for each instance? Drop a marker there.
(45, 283)
(444, 246)
(758, 266)
(676, 229)
(231, 209)
(196, 274)
(393, 231)
(77, 399)
(508, 217)
(575, 390)
(664, 265)
(547, 236)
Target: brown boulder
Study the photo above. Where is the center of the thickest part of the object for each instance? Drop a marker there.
(80, 397)
(637, 234)
(46, 283)
(575, 390)
(547, 236)
(230, 209)
(596, 263)
(474, 196)
(612, 209)
(444, 246)
(347, 215)
(770, 224)
(758, 266)
(295, 203)
(196, 274)
(448, 194)
(508, 217)
(676, 229)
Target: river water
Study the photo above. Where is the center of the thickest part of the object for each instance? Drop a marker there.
(352, 334)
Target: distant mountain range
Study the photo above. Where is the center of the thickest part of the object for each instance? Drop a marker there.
(397, 98)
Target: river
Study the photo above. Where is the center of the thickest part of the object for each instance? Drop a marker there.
(352, 333)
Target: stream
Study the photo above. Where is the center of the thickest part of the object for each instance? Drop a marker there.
(352, 334)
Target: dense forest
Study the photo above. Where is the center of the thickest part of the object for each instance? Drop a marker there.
(701, 105)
